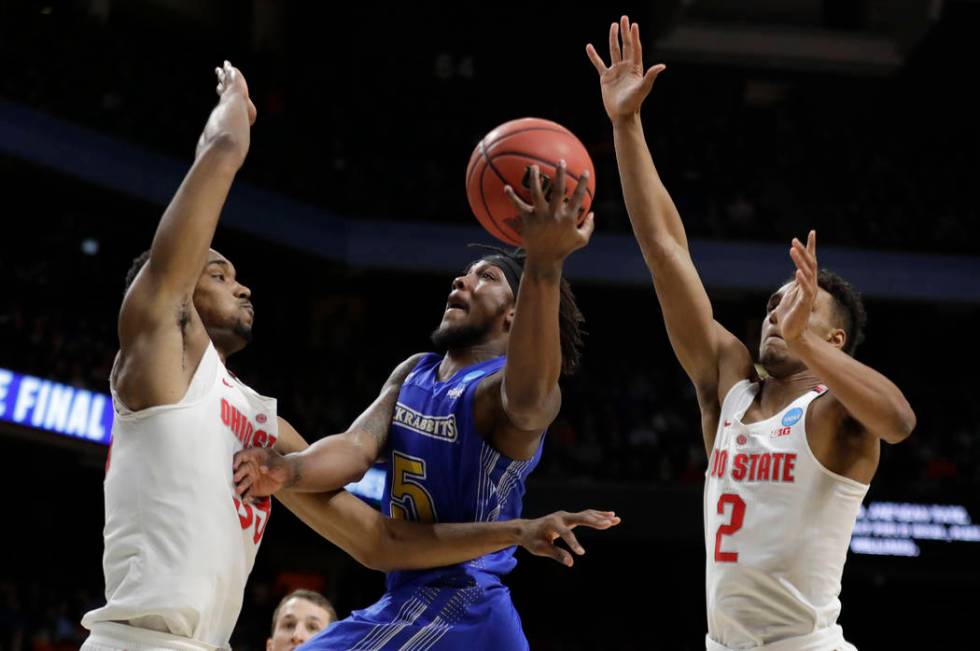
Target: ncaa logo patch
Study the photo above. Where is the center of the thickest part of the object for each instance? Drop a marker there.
(472, 375)
(792, 417)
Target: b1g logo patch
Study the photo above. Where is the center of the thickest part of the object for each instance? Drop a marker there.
(792, 417)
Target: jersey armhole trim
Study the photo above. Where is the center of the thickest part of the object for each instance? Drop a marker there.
(830, 473)
(129, 415)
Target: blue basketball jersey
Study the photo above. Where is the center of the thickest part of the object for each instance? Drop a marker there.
(441, 470)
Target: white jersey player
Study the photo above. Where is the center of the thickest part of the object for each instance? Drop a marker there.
(179, 544)
(792, 448)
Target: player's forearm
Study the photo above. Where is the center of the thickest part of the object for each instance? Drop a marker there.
(387, 544)
(183, 237)
(329, 464)
(656, 222)
(534, 347)
(413, 546)
(868, 396)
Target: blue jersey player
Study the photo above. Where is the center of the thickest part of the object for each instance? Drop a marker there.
(465, 434)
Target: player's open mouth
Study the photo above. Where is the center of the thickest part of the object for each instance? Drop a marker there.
(456, 304)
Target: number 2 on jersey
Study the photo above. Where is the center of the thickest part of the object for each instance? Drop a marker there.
(409, 498)
(734, 524)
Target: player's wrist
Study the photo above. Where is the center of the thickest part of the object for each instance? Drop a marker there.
(628, 120)
(803, 343)
(516, 532)
(542, 268)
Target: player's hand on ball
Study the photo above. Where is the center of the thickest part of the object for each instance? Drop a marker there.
(231, 80)
(549, 224)
(260, 472)
(623, 82)
(539, 536)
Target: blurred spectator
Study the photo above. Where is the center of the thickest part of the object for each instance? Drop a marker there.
(299, 616)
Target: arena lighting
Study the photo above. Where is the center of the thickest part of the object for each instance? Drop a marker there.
(80, 414)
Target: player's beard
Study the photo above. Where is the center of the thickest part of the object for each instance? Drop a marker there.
(244, 332)
(455, 337)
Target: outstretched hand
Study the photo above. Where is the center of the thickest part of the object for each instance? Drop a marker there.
(795, 307)
(624, 83)
(231, 80)
(539, 535)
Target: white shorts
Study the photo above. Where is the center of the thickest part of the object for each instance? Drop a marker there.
(828, 639)
(110, 636)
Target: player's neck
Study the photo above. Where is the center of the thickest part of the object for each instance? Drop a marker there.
(454, 360)
(778, 391)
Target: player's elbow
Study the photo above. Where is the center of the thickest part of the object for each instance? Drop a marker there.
(381, 552)
(371, 557)
(904, 425)
(531, 410)
(360, 459)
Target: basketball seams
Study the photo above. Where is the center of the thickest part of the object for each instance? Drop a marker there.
(500, 154)
(498, 162)
(507, 135)
(492, 227)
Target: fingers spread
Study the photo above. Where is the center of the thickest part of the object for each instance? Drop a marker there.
(519, 203)
(596, 60)
(579, 196)
(558, 189)
(627, 37)
(570, 540)
(615, 54)
(588, 226)
(537, 193)
(637, 46)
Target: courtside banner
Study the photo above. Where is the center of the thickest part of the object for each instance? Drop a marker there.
(55, 407)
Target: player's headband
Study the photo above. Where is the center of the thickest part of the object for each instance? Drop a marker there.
(512, 267)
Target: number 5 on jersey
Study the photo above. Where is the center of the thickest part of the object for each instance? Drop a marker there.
(409, 498)
(734, 524)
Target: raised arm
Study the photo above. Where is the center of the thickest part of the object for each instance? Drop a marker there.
(866, 396)
(712, 357)
(330, 463)
(528, 398)
(160, 333)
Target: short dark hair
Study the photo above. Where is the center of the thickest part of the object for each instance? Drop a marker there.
(570, 318)
(135, 267)
(849, 307)
(309, 595)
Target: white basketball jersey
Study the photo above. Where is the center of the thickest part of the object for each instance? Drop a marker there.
(179, 545)
(777, 525)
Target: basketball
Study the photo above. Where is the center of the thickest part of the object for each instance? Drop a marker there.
(505, 156)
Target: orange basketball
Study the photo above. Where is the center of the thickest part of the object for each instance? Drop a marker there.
(505, 156)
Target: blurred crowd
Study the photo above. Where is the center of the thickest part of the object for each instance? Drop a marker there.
(876, 162)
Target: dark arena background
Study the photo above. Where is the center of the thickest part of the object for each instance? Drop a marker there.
(858, 118)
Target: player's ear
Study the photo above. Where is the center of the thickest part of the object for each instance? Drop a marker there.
(837, 338)
(509, 319)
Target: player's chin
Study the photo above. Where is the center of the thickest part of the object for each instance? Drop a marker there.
(243, 330)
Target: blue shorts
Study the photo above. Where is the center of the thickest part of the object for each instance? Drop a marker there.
(457, 612)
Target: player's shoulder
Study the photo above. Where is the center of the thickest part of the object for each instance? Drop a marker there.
(403, 369)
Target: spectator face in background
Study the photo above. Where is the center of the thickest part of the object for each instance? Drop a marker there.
(298, 617)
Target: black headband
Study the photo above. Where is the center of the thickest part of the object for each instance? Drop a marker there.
(512, 268)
